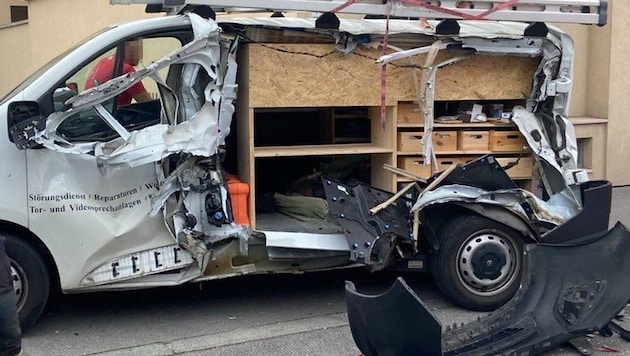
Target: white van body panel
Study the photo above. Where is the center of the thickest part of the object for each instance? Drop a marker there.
(101, 216)
(82, 240)
(13, 172)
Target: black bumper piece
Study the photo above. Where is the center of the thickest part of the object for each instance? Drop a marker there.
(567, 291)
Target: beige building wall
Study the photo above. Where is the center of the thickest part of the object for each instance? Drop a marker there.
(618, 105)
(87, 17)
(53, 27)
(599, 100)
(5, 6)
(579, 34)
(15, 39)
(15, 63)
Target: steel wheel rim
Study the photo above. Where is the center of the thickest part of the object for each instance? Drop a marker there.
(20, 284)
(478, 245)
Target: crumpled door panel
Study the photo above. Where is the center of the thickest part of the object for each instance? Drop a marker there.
(202, 132)
(567, 291)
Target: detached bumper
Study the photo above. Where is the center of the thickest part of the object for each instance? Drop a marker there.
(567, 291)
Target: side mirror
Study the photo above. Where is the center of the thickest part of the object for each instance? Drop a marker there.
(24, 121)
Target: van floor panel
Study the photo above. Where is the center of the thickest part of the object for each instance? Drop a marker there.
(282, 222)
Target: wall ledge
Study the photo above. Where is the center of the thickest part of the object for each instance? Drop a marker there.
(14, 24)
(587, 120)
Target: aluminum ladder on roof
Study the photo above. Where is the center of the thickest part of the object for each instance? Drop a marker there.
(589, 12)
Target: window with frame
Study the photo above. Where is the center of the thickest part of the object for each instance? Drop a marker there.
(19, 13)
(135, 108)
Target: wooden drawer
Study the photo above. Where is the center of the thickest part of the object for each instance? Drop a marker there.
(444, 163)
(410, 141)
(415, 165)
(442, 141)
(467, 159)
(506, 141)
(522, 170)
(473, 140)
(409, 112)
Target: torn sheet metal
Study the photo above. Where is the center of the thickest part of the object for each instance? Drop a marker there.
(587, 290)
(530, 47)
(198, 216)
(428, 98)
(411, 52)
(559, 156)
(510, 199)
(200, 135)
(564, 155)
(553, 76)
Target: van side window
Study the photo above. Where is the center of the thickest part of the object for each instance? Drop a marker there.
(136, 107)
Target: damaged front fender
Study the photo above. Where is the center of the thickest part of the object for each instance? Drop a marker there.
(587, 290)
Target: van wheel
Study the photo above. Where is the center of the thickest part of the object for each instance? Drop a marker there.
(479, 262)
(31, 281)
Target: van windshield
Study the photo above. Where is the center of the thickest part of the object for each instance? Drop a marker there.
(31, 78)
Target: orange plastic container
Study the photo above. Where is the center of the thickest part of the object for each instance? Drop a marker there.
(239, 194)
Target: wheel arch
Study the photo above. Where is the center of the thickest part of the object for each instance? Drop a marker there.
(39, 246)
(437, 215)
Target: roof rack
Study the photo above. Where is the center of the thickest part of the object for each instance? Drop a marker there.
(590, 12)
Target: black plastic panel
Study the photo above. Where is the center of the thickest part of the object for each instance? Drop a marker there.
(351, 206)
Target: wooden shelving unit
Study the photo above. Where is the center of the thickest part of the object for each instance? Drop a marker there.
(319, 150)
(458, 143)
(462, 153)
(350, 125)
(311, 79)
(479, 125)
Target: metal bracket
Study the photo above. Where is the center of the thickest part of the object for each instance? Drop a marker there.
(560, 85)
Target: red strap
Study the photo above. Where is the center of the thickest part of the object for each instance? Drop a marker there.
(497, 8)
(383, 70)
(343, 6)
(440, 9)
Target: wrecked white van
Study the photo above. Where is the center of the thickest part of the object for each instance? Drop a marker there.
(105, 195)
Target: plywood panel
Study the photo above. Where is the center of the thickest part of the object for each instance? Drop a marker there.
(245, 134)
(594, 132)
(382, 178)
(614, 106)
(302, 75)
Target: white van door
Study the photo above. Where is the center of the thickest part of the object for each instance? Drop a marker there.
(95, 222)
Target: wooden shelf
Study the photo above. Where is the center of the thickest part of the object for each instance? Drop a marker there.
(480, 125)
(319, 150)
(352, 116)
(352, 140)
(585, 120)
(401, 179)
(449, 153)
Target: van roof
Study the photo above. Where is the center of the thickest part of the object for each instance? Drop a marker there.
(486, 29)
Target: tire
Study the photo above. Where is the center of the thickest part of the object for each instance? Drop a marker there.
(467, 244)
(31, 280)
